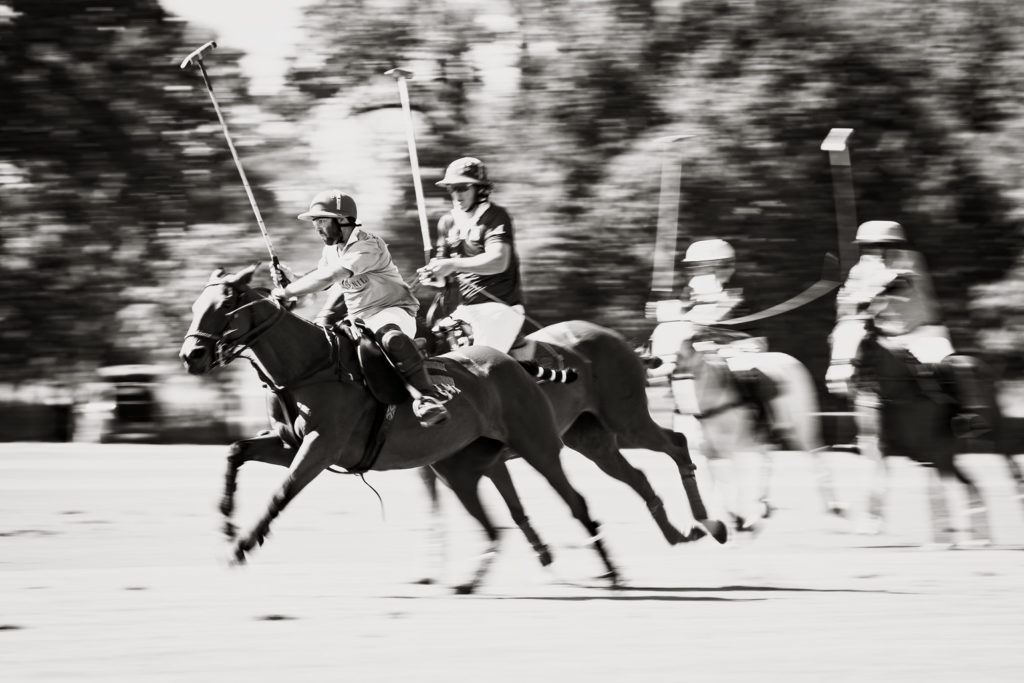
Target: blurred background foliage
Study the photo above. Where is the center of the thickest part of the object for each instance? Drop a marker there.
(118, 194)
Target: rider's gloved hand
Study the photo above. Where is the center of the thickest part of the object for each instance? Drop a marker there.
(429, 274)
(282, 295)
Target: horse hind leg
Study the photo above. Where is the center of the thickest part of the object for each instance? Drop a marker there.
(502, 480)
(546, 459)
(958, 490)
(591, 439)
(268, 448)
(462, 473)
(649, 435)
(437, 545)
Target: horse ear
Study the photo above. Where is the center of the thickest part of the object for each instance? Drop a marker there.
(245, 275)
(217, 274)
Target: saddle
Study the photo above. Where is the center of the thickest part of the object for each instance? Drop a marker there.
(365, 361)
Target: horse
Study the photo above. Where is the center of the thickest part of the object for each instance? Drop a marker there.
(334, 420)
(900, 411)
(603, 410)
(775, 405)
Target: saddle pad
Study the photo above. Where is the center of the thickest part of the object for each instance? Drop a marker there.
(437, 373)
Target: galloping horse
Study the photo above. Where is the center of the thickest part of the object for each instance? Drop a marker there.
(706, 389)
(336, 421)
(901, 412)
(604, 410)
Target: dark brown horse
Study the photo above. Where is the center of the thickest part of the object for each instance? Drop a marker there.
(902, 412)
(605, 410)
(499, 411)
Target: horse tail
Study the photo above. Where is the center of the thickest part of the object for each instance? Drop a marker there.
(543, 374)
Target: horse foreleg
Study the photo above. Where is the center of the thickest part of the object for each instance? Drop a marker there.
(590, 438)
(310, 460)
(462, 473)
(268, 448)
(502, 480)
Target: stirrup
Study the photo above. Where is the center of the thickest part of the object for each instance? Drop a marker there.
(429, 410)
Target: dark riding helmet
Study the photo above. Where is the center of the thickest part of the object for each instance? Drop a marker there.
(332, 204)
(467, 171)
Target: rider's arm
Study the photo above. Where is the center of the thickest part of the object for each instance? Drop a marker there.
(495, 259)
(311, 282)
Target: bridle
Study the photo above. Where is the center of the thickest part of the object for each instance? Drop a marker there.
(228, 349)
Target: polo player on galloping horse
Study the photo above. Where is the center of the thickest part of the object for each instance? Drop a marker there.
(366, 285)
(710, 265)
(890, 284)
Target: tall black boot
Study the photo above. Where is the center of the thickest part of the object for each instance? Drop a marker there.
(960, 375)
(427, 405)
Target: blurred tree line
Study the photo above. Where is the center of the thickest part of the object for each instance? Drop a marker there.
(118, 192)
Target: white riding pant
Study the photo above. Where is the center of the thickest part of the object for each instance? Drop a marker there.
(493, 324)
(393, 316)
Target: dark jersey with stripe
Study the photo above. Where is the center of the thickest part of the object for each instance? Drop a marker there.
(469, 235)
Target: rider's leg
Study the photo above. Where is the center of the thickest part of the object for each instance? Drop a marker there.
(428, 406)
(959, 375)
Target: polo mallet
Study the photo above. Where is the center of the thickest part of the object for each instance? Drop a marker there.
(836, 143)
(668, 216)
(401, 75)
(196, 58)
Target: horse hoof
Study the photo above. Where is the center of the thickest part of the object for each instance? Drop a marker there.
(544, 555)
(465, 589)
(696, 533)
(717, 529)
(425, 581)
(615, 582)
(230, 530)
(766, 508)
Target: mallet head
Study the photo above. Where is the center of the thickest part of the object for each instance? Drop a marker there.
(197, 54)
(398, 73)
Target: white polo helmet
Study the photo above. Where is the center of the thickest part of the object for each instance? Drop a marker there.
(880, 232)
(709, 252)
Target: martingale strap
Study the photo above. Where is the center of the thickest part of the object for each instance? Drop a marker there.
(383, 418)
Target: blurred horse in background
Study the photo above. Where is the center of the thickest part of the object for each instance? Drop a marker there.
(333, 419)
(770, 403)
(900, 411)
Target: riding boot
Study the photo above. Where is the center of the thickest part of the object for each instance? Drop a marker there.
(959, 376)
(428, 403)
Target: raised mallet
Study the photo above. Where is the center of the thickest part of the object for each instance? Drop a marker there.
(196, 58)
(401, 75)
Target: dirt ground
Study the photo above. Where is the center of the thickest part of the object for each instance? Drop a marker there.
(112, 568)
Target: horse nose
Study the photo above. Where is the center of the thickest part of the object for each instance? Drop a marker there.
(193, 358)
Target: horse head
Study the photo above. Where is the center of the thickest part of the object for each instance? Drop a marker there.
(223, 322)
